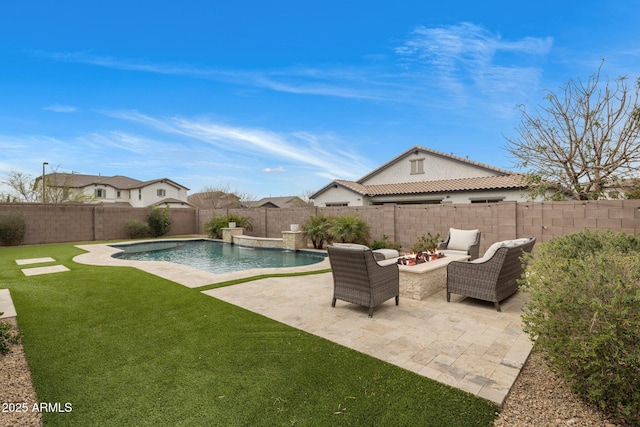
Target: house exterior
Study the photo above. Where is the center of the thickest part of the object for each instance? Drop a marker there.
(121, 189)
(422, 175)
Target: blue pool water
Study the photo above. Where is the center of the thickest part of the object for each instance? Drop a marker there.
(216, 257)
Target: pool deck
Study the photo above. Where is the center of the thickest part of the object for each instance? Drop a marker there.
(466, 343)
(102, 254)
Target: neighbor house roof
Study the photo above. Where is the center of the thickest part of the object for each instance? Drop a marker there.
(277, 202)
(75, 180)
(513, 181)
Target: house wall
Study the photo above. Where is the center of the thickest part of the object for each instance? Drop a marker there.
(466, 197)
(435, 168)
(137, 197)
(340, 195)
(401, 223)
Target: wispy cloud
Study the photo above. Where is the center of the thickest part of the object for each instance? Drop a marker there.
(58, 108)
(318, 153)
(434, 66)
(466, 57)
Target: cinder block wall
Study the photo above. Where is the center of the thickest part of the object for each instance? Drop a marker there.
(401, 223)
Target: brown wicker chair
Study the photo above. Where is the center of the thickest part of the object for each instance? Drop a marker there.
(463, 242)
(492, 277)
(359, 279)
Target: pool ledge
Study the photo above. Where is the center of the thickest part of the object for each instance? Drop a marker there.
(102, 255)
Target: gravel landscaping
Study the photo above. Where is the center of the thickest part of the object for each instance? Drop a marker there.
(538, 398)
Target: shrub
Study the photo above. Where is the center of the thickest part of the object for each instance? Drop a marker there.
(318, 229)
(427, 243)
(6, 337)
(12, 228)
(159, 221)
(584, 313)
(384, 243)
(351, 229)
(214, 226)
(136, 229)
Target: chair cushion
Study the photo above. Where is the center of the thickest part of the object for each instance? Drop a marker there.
(452, 252)
(353, 246)
(497, 245)
(489, 252)
(460, 240)
(385, 254)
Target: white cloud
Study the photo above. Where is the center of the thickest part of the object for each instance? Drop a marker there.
(271, 170)
(467, 57)
(57, 108)
(321, 154)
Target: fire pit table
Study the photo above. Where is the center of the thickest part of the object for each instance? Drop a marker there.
(423, 280)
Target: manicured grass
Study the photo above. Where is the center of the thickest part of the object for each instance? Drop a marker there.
(128, 348)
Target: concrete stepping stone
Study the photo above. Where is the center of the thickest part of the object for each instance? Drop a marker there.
(34, 260)
(6, 304)
(44, 270)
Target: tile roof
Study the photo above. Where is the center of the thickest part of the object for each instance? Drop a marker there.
(76, 180)
(513, 181)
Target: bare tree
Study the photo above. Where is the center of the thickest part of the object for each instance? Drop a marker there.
(58, 188)
(219, 197)
(22, 187)
(586, 139)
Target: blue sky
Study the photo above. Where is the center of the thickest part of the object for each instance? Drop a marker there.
(281, 97)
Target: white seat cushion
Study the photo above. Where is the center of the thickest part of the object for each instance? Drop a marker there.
(460, 240)
(353, 246)
(386, 253)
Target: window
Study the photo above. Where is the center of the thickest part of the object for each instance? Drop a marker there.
(101, 193)
(161, 192)
(417, 166)
(118, 194)
(140, 194)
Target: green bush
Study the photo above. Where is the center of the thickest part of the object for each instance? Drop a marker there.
(318, 229)
(427, 243)
(136, 229)
(6, 337)
(214, 226)
(584, 313)
(351, 229)
(159, 221)
(12, 228)
(384, 243)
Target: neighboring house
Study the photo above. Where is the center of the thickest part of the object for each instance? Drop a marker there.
(215, 199)
(121, 189)
(422, 175)
(278, 202)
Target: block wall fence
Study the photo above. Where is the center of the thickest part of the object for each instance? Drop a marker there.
(48, 223)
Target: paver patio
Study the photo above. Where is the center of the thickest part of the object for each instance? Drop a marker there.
(466, 343)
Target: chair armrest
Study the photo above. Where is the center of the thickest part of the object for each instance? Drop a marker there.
(474, 251)
(480, 272)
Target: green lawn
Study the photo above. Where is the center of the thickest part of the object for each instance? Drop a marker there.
(128, 348)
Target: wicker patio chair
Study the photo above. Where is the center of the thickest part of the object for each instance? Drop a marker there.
(359, 279)
(492, 277)
(462, 242)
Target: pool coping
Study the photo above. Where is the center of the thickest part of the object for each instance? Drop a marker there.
(101, 254)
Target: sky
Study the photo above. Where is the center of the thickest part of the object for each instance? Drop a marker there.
(279, 98)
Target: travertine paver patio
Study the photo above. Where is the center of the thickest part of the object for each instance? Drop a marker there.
(466, 343)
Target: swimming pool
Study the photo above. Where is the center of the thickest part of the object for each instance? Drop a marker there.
(216, 257)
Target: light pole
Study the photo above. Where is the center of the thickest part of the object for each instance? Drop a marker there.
(43, 184)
